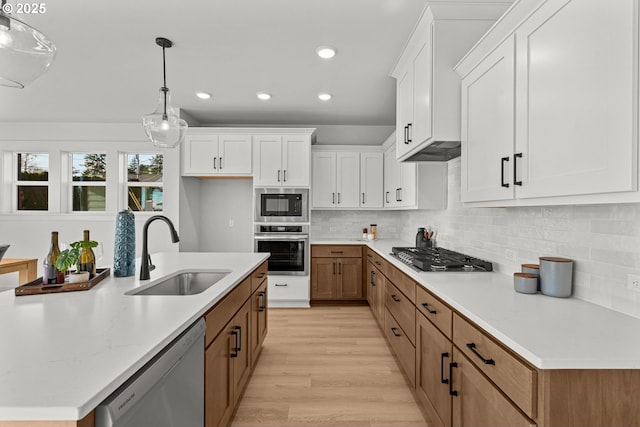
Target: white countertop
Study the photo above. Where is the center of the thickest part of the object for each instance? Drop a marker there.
(62, 354)
(550, 333)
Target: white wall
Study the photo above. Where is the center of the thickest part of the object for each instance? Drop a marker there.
(603, 240)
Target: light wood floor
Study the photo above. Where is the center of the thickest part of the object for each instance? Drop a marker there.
(326, 366)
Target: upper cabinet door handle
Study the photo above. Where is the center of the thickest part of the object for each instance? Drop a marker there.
(278, 175)
(284, 174)
(406, 134)
(502, 162)
(515, 169)
(214, 163)
(409, 126)
(220, 163)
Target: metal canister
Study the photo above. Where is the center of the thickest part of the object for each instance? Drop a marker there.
(556, 276)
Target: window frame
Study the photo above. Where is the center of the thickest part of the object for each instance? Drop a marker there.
(70, 183)
(126, 184)
(16, 183)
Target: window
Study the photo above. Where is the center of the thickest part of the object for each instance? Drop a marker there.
(32, 181)
(89, 177)
(144, 182)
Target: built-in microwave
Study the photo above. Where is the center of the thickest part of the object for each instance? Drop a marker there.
(282, 205)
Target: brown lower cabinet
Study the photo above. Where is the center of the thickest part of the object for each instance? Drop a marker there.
(336, 272)
(258, 320)
(375, 292)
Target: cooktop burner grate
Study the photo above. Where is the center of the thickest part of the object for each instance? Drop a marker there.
(440, 259)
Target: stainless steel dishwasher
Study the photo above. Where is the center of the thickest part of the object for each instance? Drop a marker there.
(167, 391)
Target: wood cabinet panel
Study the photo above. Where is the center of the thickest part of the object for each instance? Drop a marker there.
(350, 278)
(258, 276)
(478, 402)
(336, 251)
(377, 260)
(324, 281)
(220, 314)
(402, 282)
(435, 310)
(402, 309)
(259, 320)
(375, 289)
(405, 351)
(514, 377)
(241, 325)
(218, 384)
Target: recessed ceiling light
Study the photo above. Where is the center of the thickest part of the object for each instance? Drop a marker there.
(326, 52)
(324, 96)
(203, 95)
(264, 96)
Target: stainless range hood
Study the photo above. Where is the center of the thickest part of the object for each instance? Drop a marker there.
(437, 151)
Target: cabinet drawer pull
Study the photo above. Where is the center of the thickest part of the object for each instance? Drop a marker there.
(369, 256)
(515, 169)
(261, 275)
(395, 298)
(282, 284)
(377, 263)
(337, 252)
(443, 380)
(395, 332)
(502, 162)
(263, 304)
(452, 392)
(426, 307)
(235, 348)
(472, 346)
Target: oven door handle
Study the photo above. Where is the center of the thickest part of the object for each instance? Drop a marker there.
(285, 237)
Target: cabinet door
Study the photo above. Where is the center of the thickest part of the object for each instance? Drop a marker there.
(575, 93)
(478, 402)
(242, 362)
(296, 157)
(391, 179)
(323, 189)
(408, 188)
(404, 113)
(218, 385)
(200, 155)
(488, 127)
(324, 273)
(268, 160)
(433, 355)
(371, 180)
(350, 278)
(234, 154)
(348, 179)
(420, 128)
(258, 320)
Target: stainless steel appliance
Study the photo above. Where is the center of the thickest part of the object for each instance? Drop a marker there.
(282, 205)
(167, 391)
(288, 245)
(440, 259)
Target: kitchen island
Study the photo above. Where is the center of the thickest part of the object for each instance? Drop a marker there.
(62, 354)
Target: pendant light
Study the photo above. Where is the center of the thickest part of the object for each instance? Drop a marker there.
(164, 127)
(25, 53)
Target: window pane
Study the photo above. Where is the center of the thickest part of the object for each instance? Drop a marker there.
(89, 167)
(145, 199)
(33, 167)
(144, 167)
(89, 198)
(33, 198)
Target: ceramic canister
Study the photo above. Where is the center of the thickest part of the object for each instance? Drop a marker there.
(532, 269)
(556, 276)
(525, 283)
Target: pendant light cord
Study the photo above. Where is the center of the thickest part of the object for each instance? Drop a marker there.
(164, 80)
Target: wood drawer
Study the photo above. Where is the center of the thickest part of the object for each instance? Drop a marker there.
(223, 311)
(402, 347)
(377, 260)
(402, 310)
(336, 251)
(434, 310)
(258, 276)
(516, 379)
(402, 282)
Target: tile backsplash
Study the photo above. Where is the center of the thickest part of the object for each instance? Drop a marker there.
(603, 240)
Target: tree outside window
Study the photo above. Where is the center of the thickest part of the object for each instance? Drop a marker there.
(144, 182)
(32, 181)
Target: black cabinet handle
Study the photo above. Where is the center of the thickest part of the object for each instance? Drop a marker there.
(395, 298)
(369, 256)
(386, 197)
(333, 198)
(340, 268)
(278, 175)
(337, 252)
(363, 198)
(263, 305)
(214, 163)
(452, 392)
(515, 169)
(406, 134)
(378, 263)
(397, 197)
(502, 162)
(443, 380)
(426, 307)
(220, 163)
(338, 198)
(281, 284)
(400, 190)
(409, 132)
(472, 346)
(284, 174)
(395, 332)
(235, 347)
(372, 281)
(239, 328)
(334, 268)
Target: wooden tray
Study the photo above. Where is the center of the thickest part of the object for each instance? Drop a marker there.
(36, 287)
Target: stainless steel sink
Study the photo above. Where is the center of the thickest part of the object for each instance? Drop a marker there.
(185, 283)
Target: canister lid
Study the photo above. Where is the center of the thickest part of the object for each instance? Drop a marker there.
(526, 275)
(534, 266)
(554, 259)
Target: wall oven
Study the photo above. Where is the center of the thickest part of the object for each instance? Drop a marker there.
(288, 245)
(282, 205)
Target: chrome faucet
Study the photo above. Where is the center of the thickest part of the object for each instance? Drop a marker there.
(146, 258)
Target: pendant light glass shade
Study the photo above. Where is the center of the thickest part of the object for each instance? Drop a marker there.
(25, 53)
(164, 129)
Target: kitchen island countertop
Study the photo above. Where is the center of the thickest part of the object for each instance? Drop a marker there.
(548, 332)
(62, 354)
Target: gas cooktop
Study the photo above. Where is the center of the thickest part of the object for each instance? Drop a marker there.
(440, 259)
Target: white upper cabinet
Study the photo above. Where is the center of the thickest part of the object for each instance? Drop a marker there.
(206, 153)
(335, 179)
(549, 115)
(282, 160)
(371, 179)
(323, 179)
(428, 90)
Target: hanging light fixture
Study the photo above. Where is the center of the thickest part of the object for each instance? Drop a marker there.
(164, 127)
(25, 53)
